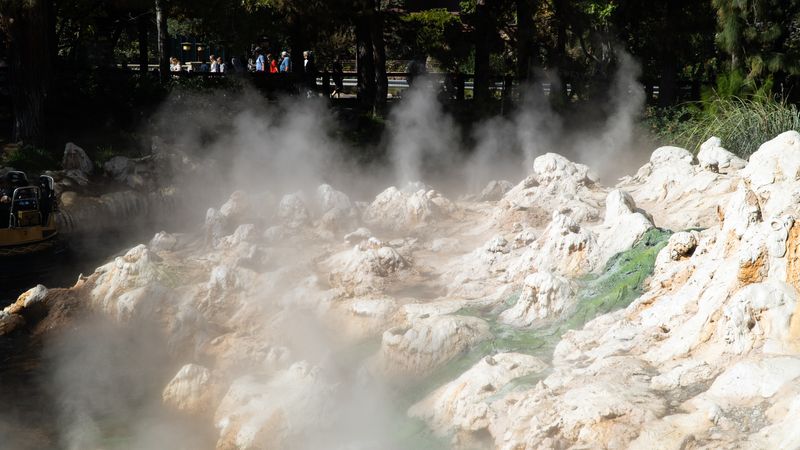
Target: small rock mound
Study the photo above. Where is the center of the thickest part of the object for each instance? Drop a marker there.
(465, 404)
(365, 268)
(428, 343)
(398, 210)
(75, 158)
(544, 296)
(716, 159)
(495, 190)
(556, 184)
(194, 390)
(293, 212)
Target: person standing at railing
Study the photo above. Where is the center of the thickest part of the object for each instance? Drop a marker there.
(259, 61)
(214, 64)
(273, 64)
(338, 77)
(221, 67)
(174, 65)
(286, 62)
(309, 69)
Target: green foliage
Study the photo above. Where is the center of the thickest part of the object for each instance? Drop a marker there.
(438, 33)
(760, 35)
(600, 11)
(733, 84)
(743, 124)
(31, 159)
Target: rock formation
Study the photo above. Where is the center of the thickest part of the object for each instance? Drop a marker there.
(558, 313)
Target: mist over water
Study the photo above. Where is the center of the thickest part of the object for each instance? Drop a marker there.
(107, 376)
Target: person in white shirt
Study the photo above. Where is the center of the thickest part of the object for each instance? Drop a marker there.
(174, 65)
(214, 64)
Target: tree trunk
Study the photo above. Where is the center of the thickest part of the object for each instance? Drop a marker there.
(142, 25)
(481, 37)
(525, 39)
(28, 34)
(379, 58)
(298, 44)
(670, 42)
(367, 87)
(111, 45)
(560, 97)
(163, 38)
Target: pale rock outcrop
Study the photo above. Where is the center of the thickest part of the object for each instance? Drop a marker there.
(257, 414)
(401, 210)
(716, 159)
(32, 296)
(601, 406)
(163, 241)
(772, 175)
(329, 198)
(363, 317)
(292, 211)
(137, 268)
(668, 155)
(428, 343)
(623, 225)
(118, 167)
(30, 303)
(751, 382)
(545, 296)
(75, 158)
(775, 161)
(556, 184)
(335, 209)
(677, 193)
(495, 190)
(465, 404)
(219, 223)
(716, 320)
(366, 268)
(245, 233)
(76, 176)
(10, 322)
(193, 390)
(498, 244)
(564, 247)
(758, 313)
(524, 238)
(682, 244)
(782, 431)
(553, 167)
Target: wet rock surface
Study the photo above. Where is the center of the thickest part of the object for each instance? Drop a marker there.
(557, 313)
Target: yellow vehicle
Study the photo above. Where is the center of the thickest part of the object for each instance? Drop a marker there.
(27, 216)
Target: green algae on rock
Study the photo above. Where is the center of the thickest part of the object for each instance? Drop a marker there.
(621, 282)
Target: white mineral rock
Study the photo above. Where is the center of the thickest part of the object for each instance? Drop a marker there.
(716, 159)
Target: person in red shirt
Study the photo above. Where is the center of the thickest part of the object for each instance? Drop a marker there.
(273, 64)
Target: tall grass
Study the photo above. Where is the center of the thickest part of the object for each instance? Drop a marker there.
(743, 124)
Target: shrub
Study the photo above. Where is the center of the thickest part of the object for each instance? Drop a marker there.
(743, 124)
(31, 159)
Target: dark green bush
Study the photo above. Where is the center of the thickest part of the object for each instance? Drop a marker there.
(31, 159)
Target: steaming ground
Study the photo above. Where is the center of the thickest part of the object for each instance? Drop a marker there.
(316, 307)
